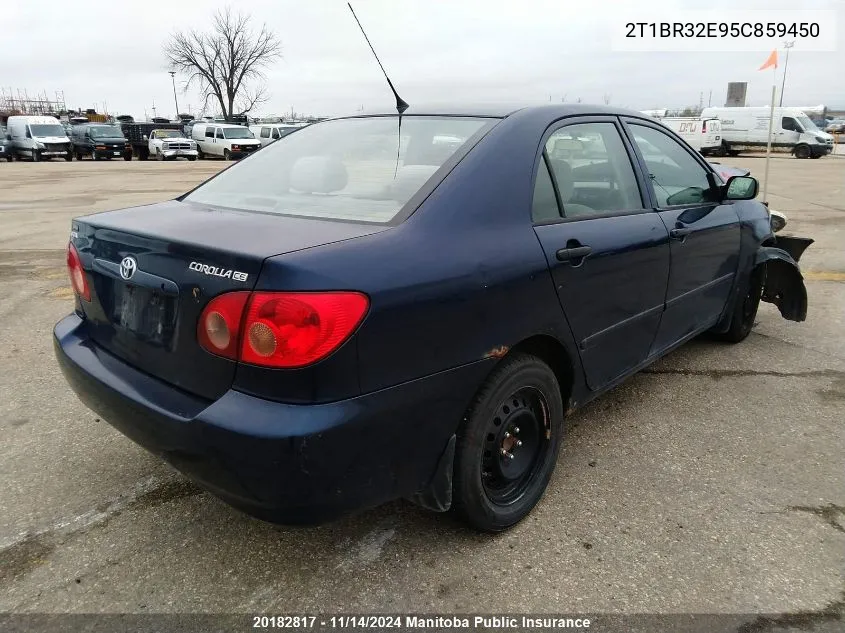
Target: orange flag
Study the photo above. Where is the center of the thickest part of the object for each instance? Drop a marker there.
(771, 62)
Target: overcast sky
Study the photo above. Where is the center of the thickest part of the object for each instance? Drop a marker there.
(435, 51)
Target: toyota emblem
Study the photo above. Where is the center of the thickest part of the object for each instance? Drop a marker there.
(128, 267)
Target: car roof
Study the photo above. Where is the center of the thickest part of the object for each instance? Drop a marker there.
(503, 110)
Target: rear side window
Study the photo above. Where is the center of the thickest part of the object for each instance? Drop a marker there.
(357, 169)
(592, 170)
(265, 132)
(676, 176)
(209, 132)
(544, 206)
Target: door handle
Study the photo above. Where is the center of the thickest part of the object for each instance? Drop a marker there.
(680, 234)
(570, 254)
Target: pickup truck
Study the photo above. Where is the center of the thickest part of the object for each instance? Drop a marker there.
(170, 145)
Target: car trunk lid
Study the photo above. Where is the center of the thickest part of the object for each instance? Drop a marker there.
(153, 269)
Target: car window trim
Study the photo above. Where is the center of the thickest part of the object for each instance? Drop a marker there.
(628, 120)
(635, 167)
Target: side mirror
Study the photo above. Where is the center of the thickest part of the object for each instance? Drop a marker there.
(741, 188)
(146, 138)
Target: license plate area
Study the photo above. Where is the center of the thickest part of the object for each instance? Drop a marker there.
(148, 315)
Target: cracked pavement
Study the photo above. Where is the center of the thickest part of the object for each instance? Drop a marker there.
(712, 482)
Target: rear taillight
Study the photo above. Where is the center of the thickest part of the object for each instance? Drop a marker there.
(219, 327)
(703, 127)
(77, 276)
(280, 329)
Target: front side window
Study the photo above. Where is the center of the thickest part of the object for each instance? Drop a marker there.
(788, 123)
(676, 176)
(352, 169)
(592, 170)
(219, 133)
(275, 132)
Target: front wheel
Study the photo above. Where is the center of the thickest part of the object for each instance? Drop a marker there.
(508, 444)
(802, 151)
(192, 158)
(227, 155)
(744, 310)
(36, 156)
(69, 156)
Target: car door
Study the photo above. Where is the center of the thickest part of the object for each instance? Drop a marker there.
(789, 133)
(704, 233)
(219, 141)
(607, 251)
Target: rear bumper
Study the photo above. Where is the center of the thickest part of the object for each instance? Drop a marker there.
(280, 462)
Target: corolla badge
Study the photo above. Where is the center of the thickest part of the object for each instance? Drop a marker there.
(128, 267)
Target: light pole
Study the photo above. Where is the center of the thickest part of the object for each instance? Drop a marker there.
(173, 79)
(787, 46)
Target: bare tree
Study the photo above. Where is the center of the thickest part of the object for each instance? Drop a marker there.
(227, 64)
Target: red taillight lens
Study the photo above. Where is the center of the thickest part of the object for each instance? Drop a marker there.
(77, 275)
(294, 329)
(703, 127)
(280, 329)
(218, 330)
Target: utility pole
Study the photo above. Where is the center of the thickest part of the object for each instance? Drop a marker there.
(787, 46)
(175, 100)
(710, 98)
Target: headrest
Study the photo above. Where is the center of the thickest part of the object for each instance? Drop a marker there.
(318, 174)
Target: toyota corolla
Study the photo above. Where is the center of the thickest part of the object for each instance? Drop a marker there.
(377, 307)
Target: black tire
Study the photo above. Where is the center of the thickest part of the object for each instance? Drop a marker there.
(816, 156)
(802, 151)
(200, 153)
(78, 155)
(733, 152)
(227, 155)
(744, 310)
(127, 156)
(36, 156)
(723, 150)
(191, 158)
(507, 445)
(94, 156)
(159, 155)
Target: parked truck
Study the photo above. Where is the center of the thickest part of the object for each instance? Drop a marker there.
(138, 136)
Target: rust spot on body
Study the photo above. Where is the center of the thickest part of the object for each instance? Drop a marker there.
(497, 352)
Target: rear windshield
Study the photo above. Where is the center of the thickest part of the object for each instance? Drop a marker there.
(346, 169)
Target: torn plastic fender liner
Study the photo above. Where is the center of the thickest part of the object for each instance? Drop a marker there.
(784, 284)
(793, 245)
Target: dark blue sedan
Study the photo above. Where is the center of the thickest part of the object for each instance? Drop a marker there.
(371, 308)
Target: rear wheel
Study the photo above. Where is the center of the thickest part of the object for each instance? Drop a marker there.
(508, 444)
(200, 154)
(803, 151)
(69, 156)
(744, 310)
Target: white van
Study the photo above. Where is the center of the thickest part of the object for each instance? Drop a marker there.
(223, 140)
(747, 129)
(39, 137)
(704, 135)
(269, 132)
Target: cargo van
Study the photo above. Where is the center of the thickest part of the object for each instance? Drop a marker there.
(269, 132)
(704, 135)
(223, 140)
(747, 129)
(39, 137)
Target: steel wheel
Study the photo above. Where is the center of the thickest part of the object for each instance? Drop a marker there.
(516, 439)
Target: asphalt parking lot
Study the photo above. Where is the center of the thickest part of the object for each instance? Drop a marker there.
(711, 482)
